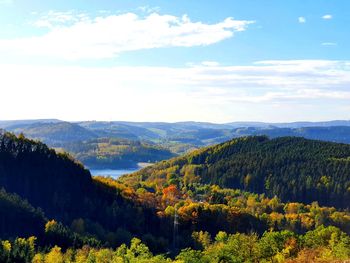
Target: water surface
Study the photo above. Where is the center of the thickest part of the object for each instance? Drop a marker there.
(112, 173)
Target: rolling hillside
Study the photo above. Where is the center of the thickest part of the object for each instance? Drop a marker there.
(116, 153)
(63, 189)
(294, 169)
(53, 133)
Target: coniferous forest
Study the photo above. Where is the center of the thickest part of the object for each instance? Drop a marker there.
(251, 199)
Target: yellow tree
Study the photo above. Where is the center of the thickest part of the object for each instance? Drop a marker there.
(54, 256)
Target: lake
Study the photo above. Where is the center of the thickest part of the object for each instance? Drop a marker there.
(112, 173)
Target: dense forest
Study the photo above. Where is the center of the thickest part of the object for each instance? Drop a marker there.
(52, 210)
(294, 169)
(65, 191)
(324, 244)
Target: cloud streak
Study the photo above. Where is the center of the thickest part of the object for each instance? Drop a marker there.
(327, 17)
(208, 92)
(77, 36)
(329, 44)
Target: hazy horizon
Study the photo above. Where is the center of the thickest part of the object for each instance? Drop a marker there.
(185, 121)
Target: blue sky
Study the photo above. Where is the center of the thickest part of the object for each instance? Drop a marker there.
(217, 61)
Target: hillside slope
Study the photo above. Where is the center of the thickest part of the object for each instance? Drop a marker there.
(116, 153)
(94, 207)
(294, 169)
(65, 191)
(17, 215)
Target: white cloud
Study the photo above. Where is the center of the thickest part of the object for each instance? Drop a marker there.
(77, 36)
(301, 19)
(327, 17)
(300, 89)
(329, 44)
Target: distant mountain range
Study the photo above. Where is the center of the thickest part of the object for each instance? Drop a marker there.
(292, 124)
(159, 140)
(100, 124)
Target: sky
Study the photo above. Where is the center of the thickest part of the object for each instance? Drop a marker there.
(185, 60)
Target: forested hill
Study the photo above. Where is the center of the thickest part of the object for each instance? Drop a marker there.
(56, 187)
(53, 133)
(63, 190)
(294, 169)
(35, 172)
(116, 153)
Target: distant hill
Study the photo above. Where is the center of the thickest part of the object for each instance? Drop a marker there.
(113, 153)
(339, 134)
(159, 140)
(193, 134)
(8, 123)
(53, 132)
(291, 124)
(96, 147)
(294, 169)
(120, 130)
(155, 131)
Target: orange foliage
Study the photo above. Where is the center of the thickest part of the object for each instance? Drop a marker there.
(292, 217)
(276, 217)
(171, 194)
(292, 208)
